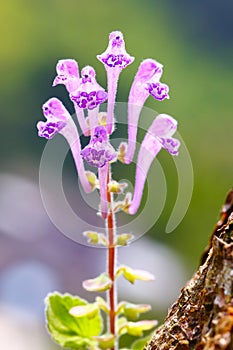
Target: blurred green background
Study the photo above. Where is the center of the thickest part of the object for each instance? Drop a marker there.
(194, 41)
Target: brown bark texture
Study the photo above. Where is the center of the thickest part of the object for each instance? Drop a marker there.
(202, 317)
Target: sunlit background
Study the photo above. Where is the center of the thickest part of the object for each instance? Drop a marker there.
(194, 41)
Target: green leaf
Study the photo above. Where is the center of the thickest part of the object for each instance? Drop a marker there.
(117, 187)
(106, 341)
(120, 307)
(98, 284)
(121, 325)
(133, 275)
(102, 304)
(124, 238)
(96, 238)
(137, 328)
(132, 311)
(89, 310)
(73, 341)
(66, 330)
(140, 344)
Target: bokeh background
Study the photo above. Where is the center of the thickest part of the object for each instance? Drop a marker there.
(194, 41)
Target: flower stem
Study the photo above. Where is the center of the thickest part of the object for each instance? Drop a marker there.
(112, 295)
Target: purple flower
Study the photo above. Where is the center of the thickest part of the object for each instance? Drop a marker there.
(146, 82)
(49, 129)
(89, 94)
(67, 74)
(158, 90)
(115, 55)
(158, 136)
(99, 151)
(115, 58)
(60, 121)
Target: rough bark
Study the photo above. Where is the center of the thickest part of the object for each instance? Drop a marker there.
(202, 317)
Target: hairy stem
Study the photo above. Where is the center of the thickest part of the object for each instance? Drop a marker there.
(112, 296)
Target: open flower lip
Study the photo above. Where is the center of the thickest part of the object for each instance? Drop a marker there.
(115, 54)
(89, 94)
(99, 151)
(49, 129)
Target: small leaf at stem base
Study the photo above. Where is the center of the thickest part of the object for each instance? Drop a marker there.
(96, 238)
(102, 304)
(132, 311)
(137, 328)
(98, 284)
(89, 310)
(133, 275)
(105, 341)
(123, 239)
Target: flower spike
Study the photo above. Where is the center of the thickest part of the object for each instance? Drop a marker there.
(60, 121)
(115, 58)
(146, 82)
(87, 95)
(158, 136)
(67, 74)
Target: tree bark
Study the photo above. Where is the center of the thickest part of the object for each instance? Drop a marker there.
(202, 317)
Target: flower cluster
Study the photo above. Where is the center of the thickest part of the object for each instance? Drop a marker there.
(87, 95)
(73, 322)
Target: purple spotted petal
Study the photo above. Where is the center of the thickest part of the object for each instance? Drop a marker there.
(158, 90)
(115, 58)
(171, 145)
(100, 155)
(99, 151)
(100, 135)
(91, 100)
(120, 61)
(49, 129)
(67, 74)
